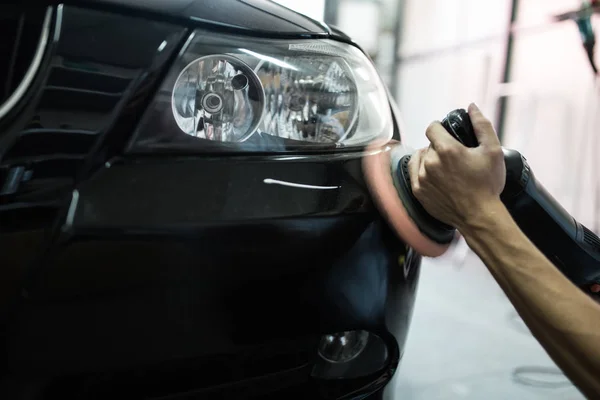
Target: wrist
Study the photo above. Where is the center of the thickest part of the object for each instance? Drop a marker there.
(485, 215)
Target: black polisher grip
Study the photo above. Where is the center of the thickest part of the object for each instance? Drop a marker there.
(458, 124)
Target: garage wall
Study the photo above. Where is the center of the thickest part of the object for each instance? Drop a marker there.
(313, 8)
(453, 53)
(552, 111)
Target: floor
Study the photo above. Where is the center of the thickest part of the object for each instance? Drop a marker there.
(467, 342)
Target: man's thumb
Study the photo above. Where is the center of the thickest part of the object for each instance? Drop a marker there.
(484, 130)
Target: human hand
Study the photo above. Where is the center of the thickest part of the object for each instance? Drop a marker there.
(455, 183)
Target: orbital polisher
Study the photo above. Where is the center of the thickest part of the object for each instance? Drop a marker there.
(569, 245)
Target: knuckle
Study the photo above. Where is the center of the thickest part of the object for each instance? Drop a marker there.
(441, 149)
(483, 123)
(495, 152)
(430, 164)
(448, 151)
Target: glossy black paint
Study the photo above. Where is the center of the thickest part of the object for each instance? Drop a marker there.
(184, 276)
(68, 110)
(252, 17)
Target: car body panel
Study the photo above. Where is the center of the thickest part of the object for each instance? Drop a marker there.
(262, 16)
(67, 115)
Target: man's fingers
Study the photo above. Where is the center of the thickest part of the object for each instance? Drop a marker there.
(484, 130)
(424, 155)
(413, 168)
(439, 137)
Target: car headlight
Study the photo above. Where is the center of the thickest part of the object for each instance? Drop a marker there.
(238, 93)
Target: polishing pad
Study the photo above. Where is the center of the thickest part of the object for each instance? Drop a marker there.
(380, 165)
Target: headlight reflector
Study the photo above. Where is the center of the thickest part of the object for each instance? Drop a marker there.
(239, 93)
(212, 99)
(315, 101)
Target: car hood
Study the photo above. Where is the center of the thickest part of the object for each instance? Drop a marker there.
(250, 15)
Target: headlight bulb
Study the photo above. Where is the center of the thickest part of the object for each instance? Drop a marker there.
(218, 98)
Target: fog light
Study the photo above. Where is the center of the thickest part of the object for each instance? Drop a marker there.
(343, 346)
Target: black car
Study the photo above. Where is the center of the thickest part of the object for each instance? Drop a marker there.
(183, 213)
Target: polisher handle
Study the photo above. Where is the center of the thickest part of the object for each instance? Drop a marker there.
(458, 124)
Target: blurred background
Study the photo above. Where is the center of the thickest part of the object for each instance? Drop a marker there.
(523, 62)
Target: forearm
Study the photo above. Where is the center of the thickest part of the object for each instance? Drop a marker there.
(564, 319)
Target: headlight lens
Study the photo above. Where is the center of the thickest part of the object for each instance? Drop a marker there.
(218, 98)
(239, 93)
(315, 100)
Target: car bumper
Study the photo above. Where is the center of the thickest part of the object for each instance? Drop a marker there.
(197, 265)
